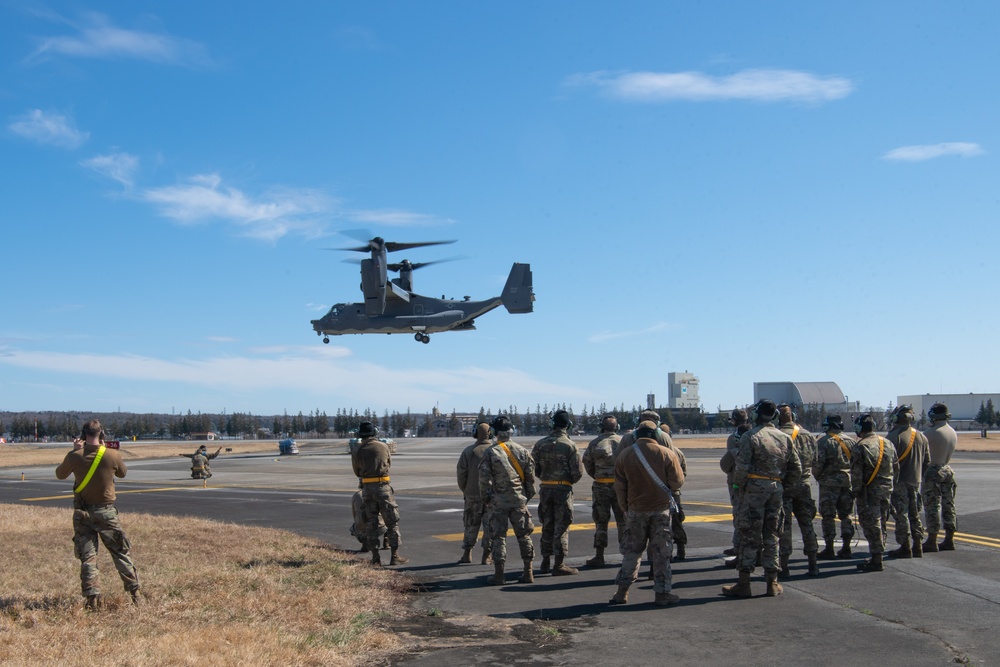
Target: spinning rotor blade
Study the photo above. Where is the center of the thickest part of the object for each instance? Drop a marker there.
(396, 266)
(392, 246)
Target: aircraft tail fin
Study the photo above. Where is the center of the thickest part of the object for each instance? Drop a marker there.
(517, 295)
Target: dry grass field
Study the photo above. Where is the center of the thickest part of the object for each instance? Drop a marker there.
(213, 594)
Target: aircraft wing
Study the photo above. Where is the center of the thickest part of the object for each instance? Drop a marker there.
(397, 292)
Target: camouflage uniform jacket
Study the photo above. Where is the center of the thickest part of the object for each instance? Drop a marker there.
(833, 460)
(913, 466)
(101, 488)
(557, 458)
(468, 467)
(371, 459)
(599, 457)
(865, 458)
(500, 483)
(767, 452)
(635, 489)
(663, 439)
(805, 447)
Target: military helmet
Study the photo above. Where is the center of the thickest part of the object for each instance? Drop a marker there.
(833, 423)
(502, 423)
(367, 430)
(863, 423)
(738, 416)
(650, 415)
(562, 419)
(938, 412)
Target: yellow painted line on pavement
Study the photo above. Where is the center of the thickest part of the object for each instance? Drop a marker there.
(702, 518)
(166, 488)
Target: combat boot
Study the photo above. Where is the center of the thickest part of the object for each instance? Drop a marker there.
(813, 570)
(733, 563)
(665, 599)
(774, 589)
(621, 597)
(135, 597)
(731, 551)
(903, 551)
(845, 551)
(784, 572)
(93, 602)
(931, 545)
(487, 558)
(497, 579)
(949, 541)
(560, 570)
(396, 559)
(527, 577)
(598, 559)
(827, 553)
(873, 564)
(741, 589)
(376, 557)
(546, 566)
(466, 557)
(681, 552)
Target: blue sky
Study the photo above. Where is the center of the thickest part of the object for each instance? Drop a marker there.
(747, 191)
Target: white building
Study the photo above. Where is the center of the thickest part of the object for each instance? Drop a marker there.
(826, 394)
(682, 391)
(963, 407)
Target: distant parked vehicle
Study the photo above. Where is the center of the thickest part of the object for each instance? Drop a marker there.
(287, 446)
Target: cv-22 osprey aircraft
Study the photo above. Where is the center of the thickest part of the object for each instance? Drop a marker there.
(392, 307)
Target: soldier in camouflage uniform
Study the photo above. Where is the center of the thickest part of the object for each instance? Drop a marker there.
(833, 472)
(371, 462)
(739, 419)
(473, 515)
(200, 467)
(359, 528)
(798, 498)
(766, 464)
(664, 440)
(506, 484)
(873, 467)
(907, 505)
(557, 464)
(939, 480)
(599, 462)
(646, 475)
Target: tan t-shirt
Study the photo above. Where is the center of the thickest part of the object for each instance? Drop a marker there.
(101, 488)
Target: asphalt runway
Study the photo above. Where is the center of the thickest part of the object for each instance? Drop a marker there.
(942, 609)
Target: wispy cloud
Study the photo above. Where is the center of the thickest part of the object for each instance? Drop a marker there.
(96, 37)
(395, 218)
(49, 128)
(117, 166)
(605, 336)
(269, 216)
(931, 151)
(759, 85)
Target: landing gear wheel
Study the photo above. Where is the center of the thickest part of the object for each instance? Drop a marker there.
(326, 339)
(426, 339)
(419, 337)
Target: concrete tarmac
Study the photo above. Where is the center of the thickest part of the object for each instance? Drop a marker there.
(938, 610)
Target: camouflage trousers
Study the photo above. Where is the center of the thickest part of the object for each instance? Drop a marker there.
(759, 520)
(734, 500)
(519, 518)
(642, 530)
(379, 502)
(677, 522)
(907, 506)
(836, 502)
(359, 528)
(474, 517)
(89, 523)
(605, 504)
(939, 498)
(798, 502)
(555, 512)
(873, 505)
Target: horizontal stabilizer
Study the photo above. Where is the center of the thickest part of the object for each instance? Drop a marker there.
(517, 296)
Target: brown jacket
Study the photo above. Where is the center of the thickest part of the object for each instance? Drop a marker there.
(633, 485)
(101, 488)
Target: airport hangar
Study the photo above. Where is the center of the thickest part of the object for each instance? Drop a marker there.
(963, 407)
(825, 394)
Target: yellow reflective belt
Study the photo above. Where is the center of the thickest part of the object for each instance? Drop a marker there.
(93, 468)
(374, 480)
(557, 482)
(605, 480)
(909, 447)
(878, 464)
(843, 446)
(755, 476)
(513, 461)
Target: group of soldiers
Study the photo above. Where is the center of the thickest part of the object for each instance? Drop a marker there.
(901, 475)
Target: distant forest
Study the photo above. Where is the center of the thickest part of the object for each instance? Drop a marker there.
(51, 425)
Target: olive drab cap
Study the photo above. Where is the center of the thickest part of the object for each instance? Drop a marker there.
(763, 409)
(646, 429)
(367, 430)
(562, 419)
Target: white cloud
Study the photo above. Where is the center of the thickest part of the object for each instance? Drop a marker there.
(605, 336)
(48, 128)
(268, 217)
(118, 166)
(930, 151)
(760, 85)
(98, 38)
(395, 218)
